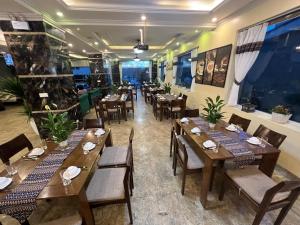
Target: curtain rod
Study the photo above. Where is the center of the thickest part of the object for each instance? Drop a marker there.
(281, 15)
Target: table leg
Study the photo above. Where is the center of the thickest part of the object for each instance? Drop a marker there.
(85, 209)
(161, 112)
(206, 180)
(268, 163)
(124, 111)
(109, 141)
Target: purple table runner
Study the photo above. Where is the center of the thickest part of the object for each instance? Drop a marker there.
(21, 201)
(242, 155)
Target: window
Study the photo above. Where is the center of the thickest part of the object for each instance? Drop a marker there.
(162, 71)
(183, 73)
(274, 78)
(136, 72)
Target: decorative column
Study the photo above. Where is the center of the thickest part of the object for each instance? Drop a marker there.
(41, 59)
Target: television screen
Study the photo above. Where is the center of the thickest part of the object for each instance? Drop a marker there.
(8, 59)
(81, 70)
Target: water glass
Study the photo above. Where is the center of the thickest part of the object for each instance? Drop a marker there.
(216, 150)
(64, 180)
(85, 152)
(263, 142)
(44, 144)
(11, 170)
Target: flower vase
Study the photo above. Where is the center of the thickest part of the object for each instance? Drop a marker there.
(211, 125)
(63, 144)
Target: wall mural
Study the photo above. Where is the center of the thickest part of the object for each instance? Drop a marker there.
(212, 66)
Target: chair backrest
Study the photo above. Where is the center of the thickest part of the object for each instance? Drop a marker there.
(112, 104)
(177, 103)
(184, 97)
(181, 150)
(93, 123)
(12, 147)
(291, 187)
(191, 113)
(274, 138)
(240, 121)
(180, 94)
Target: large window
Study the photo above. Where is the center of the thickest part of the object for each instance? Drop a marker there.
(135, 72)
(274, 78)
(162, 71)
(183, 74)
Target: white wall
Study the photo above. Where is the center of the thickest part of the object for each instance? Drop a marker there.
(225, 34)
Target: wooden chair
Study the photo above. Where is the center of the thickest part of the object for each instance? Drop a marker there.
(184, 97)
(147, 95)
(191, 113)
(274, 138)
(263, 193)
(176, 108)
(130, 103)
(67, 220)
(12, 147)
(239, 121)
(93, 123)
(187, 158)
(134, 92)
(99, 108)
(110, 186)
(119, 156)
(113, 109)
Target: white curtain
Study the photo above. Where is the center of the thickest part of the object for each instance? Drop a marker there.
(248, 46)
(158, 71)
(120, 69)
(175, 60)
(194, 54)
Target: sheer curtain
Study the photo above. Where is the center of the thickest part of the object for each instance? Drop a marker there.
(249, 43)
(194, 54)
(175, 60)
(121, 74)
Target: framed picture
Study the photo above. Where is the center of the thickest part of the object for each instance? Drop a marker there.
(200, 68)
(221, 66)
(209, 66)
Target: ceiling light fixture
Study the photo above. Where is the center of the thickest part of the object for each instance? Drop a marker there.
(78, 29)
(96, 43)
(215, 19)
(70, 45)
(60, 14)
(177, 43)
(137, 59)
(196, 31)
(105, 41)
(105, 50)
(83, 50)
(143, 17)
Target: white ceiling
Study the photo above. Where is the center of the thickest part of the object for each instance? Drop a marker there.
(118, 21)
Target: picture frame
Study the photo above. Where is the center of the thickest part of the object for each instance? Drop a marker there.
(200, 68)
(209, 66)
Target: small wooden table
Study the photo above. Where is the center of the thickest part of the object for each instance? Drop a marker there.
(269, 154)
(55, 188)
(165, 103)
(117, 98)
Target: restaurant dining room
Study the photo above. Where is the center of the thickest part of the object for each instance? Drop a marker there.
(149, 112)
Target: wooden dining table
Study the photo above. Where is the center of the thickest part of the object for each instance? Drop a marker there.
(116, 98)
(168, 98)
(268, 162)
(55, 189)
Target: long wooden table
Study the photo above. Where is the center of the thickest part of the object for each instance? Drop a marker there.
(55, 188)
(269, 154)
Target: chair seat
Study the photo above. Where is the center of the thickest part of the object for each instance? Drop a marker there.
(113, 156)
(106, 185)
(194, 162)
(255, 183)
(112, 110)
(148, 95)
(68, 220)
(175, 109)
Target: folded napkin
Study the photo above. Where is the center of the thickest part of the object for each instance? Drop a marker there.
(89, 146)
(254, 141)
(196, 130)
(71, 172)
(180, 98)
(99, 132)
(36, 152)
(231, 127)
(184, 120)
(209, 144)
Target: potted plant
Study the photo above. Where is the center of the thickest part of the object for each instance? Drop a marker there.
(59, 126)
(167, 87)
(281, 114)
(213, 110)
(12, 85)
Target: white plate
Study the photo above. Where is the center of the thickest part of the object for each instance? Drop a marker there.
(254, 141)
(71, 172)
(36, 152)
(196, 130)
(4, 182)
(89, 146)
(209, 144)
(184, 120)
(99, 132)
(231, 127)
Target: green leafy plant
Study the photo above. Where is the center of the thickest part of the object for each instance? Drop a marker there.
(213, 109)
(58, 125)
(156, 82)
(281, 110)
(125, 82)
(114, 89)
(167, 87)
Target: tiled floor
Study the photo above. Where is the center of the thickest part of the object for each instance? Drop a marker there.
(157, 199)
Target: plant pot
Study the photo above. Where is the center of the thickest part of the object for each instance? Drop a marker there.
(280, 118)
(211, 125)
(63, 144)
(33, 126)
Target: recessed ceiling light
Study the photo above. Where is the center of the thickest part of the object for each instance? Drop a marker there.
(143, 17)
(96, 43)
(105, 41)
(176, 50)
(177, 43)
(70, 45)
(78, 29)
(215, 19)
(105, 50)
(60, 14)
(83, 50)
(196, 31)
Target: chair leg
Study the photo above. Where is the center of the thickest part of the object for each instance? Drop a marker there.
(171, 143)
(259, 216)
(283, 213)
(175, 164)
(222, 190)
(129, 208)
(212, 179)
(183, 181)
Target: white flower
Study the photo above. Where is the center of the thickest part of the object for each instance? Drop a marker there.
(47, 107)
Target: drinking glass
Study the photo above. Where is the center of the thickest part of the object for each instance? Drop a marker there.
(44, 144)
(263, 141)
(11, 170)
(85, 152)
(64, 180)
(216, 150)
